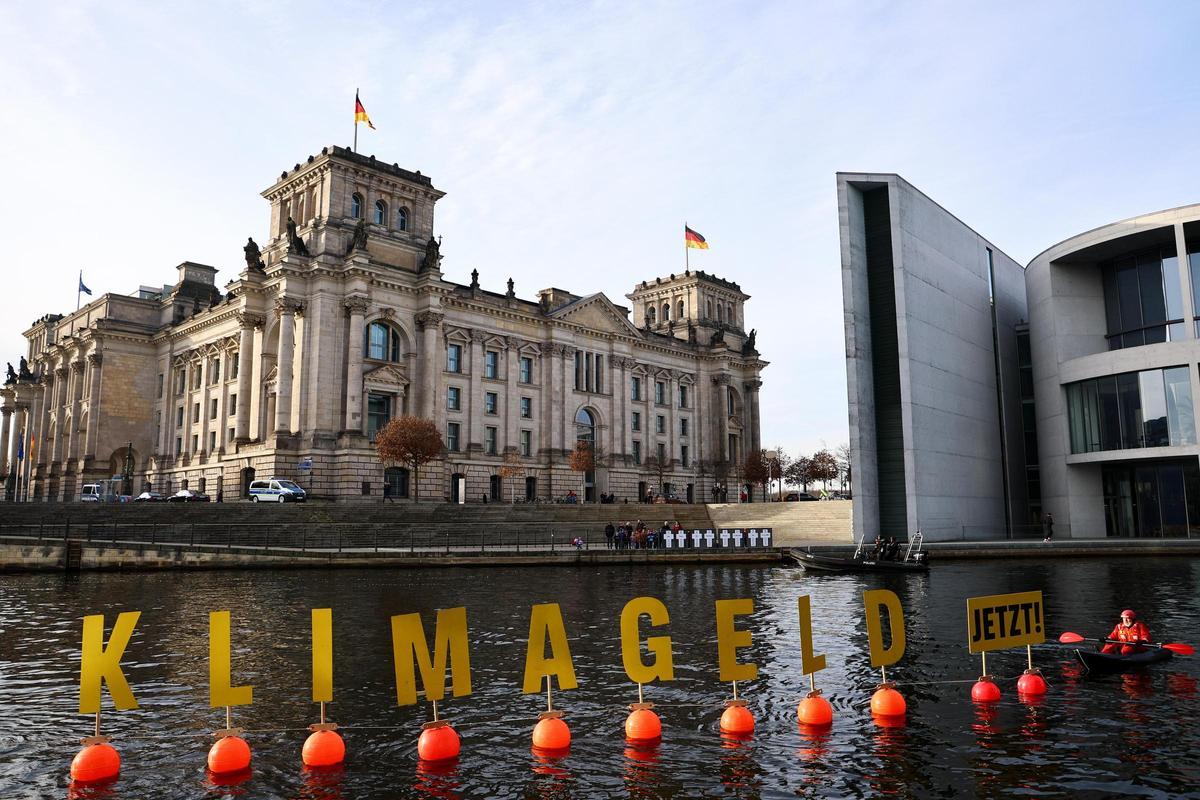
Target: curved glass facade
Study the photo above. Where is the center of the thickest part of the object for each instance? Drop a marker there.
(1152, 408)
(1143, 300)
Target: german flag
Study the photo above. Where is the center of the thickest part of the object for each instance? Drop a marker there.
(693, 239)
(360, 113)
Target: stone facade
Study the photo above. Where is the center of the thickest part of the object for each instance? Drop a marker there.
(344, 320)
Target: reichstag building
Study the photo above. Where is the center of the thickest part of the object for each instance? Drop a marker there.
(342, 321)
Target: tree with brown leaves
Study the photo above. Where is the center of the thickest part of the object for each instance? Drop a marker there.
(512, 467)
(412, 441)
(583, 461)
(756, 470)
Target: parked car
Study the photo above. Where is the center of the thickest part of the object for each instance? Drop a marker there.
(792, 497)
(91, 493)
(149, 497)
(276, 490)
(188, 496)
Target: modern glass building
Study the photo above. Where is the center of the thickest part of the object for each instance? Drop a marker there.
(985, 396)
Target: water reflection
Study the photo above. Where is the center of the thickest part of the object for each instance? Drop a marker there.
(439, 779)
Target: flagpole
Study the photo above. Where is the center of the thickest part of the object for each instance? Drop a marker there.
(78, 288)
(355, 119)
(687, 264)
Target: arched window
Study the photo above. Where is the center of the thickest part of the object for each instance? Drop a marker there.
(666, 312)
(708, 309)
(356, 203)
(585, 426)
(720, 312)
(383, 342)
(380, 212)
(402, 219)
(729, 315)
(679, 310)
(650, 315)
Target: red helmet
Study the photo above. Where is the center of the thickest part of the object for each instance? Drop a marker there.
(1129, 613)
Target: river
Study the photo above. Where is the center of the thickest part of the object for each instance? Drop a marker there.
(1113, 735)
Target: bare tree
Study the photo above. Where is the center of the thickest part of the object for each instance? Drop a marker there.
(659, 467)
(798, 472)
(777, 462)
(412, 441)
(843, 459)
(824, 467)
(512, 467)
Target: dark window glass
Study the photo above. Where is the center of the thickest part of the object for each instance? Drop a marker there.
(491, 364)
(452, 436)
(526, 370)
(1150, 281)
(1131, 410)
(526, 408)
(489, 402)
(395, 482)
(1110, 415)
(379, 411)
(1146, 501)
(454, 358)
(1173, 500)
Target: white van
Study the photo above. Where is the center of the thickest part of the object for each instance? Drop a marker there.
(91, 493)
(276, 490)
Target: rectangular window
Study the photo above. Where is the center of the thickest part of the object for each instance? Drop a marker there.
(599, 373)
(214, 370)
(1152, 408)
(491, 364)
(232, 404)
(683, 456)
(587, 371)
(452, 429)
(526, 369)
(660, 393)
(637, 452)
(683, 397)
(453, 398)
(195, 442)
(489, 440)
(662, 453)
(212, 408)
(526, 442)
(379, 413)
(454, 358)
(233, 368)
(660, 424)
(212, 441)
(489, 402)
(178, 445)
(636, 419)
(1142, 299)
(179, 417)
(160, 384)
(635, 386)
(195, 413)
(232, 434)
(526, 408)
(578, 370)
(683, 426)
(729, 402)
(179, 379)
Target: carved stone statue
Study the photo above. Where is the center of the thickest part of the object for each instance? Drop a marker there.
(433, 255)
(691, 334)
(12, 375)
(358, 241)
(748, 347)
(295, 243)
(254, 261)
(718, 337)
(474, 279)
(23, 369)
(511, 293)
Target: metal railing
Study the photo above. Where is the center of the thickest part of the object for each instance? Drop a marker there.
(324, 537)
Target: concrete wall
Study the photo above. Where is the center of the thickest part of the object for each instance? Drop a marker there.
(952, 460)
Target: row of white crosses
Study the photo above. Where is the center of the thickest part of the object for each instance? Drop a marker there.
(751, 538)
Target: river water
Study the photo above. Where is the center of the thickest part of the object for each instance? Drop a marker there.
(1095, 736)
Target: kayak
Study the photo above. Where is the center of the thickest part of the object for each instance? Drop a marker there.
(1095, 661)
(815, 563)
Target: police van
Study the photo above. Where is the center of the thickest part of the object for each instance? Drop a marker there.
(276, 490)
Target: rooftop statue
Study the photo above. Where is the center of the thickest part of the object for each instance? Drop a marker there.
(254, 261)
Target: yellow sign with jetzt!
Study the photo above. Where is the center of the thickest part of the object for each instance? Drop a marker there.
(1000, 621)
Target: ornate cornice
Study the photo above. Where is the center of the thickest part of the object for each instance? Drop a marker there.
(722, 380)
(430, 319)
(247, 319)
(753, 386)
(288, 305)
(356, 304)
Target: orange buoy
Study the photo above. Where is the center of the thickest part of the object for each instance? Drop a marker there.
(323, 749)
(814, 710)
(551, 733)
(738, 720)
(887, 702)
(440, 743)
(96, 763)
(643, 725)
(984, 691)
(1031, 683)
(229, 754)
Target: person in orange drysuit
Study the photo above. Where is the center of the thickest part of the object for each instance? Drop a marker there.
(1126, 635)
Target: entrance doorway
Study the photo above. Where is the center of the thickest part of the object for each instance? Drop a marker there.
(691, 493)
(247, 477)
(530, 489)
(458, 488)
(494, 488)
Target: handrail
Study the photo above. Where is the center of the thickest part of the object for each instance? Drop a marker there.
(916, 539)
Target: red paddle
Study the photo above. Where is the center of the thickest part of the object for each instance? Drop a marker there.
(1181, 649)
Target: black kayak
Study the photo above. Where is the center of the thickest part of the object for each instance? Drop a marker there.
(1095, 661)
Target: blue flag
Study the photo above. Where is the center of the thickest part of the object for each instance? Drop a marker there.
(83, 288)
(21, 449)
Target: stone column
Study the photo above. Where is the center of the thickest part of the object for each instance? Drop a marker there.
(432, 405)
(62, 380)
(38, 420)
(547, 373)
(21, 425)
(752, 387)
(620, 388)
(286, 309)
(76, 396)
(93, 424)
(299, 420)
(475, 418)
(720, 385)
(205, 422)
(5, 433)
(672, 418)
(512, 398)
(356, 309)
(245, 374)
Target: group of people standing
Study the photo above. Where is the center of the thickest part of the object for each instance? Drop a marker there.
(637, 535)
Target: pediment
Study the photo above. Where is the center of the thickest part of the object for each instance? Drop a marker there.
(387, 375)
(272, 374)
(596, 312)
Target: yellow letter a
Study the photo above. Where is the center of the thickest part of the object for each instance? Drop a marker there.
(546, 620)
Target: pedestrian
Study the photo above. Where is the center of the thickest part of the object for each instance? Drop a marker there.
(609, 532)
(220, 495)
(1048, 527)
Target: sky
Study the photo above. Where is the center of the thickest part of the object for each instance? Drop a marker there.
(574, 139)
